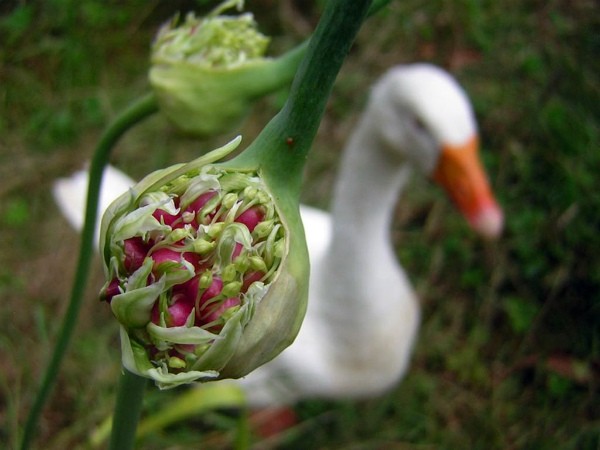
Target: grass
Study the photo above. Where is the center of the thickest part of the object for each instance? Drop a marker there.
(509, 350)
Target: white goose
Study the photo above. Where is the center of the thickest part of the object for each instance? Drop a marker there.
(363, 314)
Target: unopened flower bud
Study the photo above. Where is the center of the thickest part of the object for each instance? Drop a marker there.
(202, 246)
(279, 248)
(229, 273)
(257, 263)
(205, 280)
(250, 192)
(229, 200)
(232, 289)
(242, 263)
(263, 229)
(215, 230)
(176, 363)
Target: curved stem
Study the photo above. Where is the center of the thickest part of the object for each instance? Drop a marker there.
(138, 111)
(281, 71)
(282, 147)
(127, 411)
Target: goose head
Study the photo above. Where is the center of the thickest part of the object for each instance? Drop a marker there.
(422, 115)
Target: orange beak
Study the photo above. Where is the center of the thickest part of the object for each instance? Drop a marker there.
(460, 172)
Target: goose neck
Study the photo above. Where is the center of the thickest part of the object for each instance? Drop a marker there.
(369, 182)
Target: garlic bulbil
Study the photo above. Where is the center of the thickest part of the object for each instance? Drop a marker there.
(190, 253)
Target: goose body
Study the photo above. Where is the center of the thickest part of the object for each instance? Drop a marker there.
(363, 313)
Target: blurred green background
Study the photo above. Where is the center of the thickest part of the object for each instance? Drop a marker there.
(509, 350)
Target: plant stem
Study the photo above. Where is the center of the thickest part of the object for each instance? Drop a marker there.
(127, 411)
(139, 110)
(281, 71)
(282, 147)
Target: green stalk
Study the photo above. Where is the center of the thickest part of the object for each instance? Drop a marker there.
(139, 110)
(281, 149)
(127, 411)
(280, 71)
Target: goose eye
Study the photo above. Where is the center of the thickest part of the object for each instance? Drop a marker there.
(419, 124)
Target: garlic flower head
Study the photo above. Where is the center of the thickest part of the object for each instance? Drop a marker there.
(207, 71)
(215, 41)
(191, 253)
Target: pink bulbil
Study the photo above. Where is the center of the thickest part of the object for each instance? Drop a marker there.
(168, 254)
(216, 311)
(209, 304)
(168, 219)
(210, 311)
(135, 252)
(237, 250)
(111, 290)
(190, 289)
(206, 311)
(212, 291)
(251, 217)
(177, 313)
(196, 206)
(251, 278)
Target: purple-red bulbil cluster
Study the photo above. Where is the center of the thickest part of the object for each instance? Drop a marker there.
(204, 293)
(190, 253)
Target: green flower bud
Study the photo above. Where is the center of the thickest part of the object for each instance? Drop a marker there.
(232, 289)
(205, 280)
(176, 363)
(263, 229)
(178, 234)
(250, 192)
(242, 263)
(279, 248)
(202, 246)
(257, 263)
(197, 301)
(229, 200)
(229, 273)
(214, 231)
(206, 72)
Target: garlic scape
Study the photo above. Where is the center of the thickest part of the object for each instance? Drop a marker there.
(206, 262)
(268, 316)
(207, 71)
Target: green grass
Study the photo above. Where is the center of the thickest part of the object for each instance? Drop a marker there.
(509, 350)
